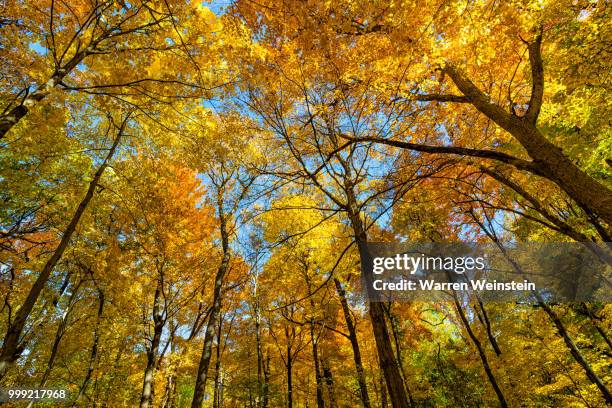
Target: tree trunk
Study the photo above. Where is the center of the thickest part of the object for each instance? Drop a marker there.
(266, 386)
(59, 334)
(315, 357)
(200, 386)
(585, 310)
(112, 375)
(483, 317)
(363, 387)
(329, 381)
(574, 351)
(561, 226)
(481, 353)
(383, 392)
(289, 379)
(547, 158)
(398, 351)
(11, 349)
(170, 390)
(388, 364)
(216, 398)
(94, 349)
(315, 346)
(146, 397)
(260, 360)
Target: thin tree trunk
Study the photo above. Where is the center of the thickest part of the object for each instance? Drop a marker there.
(168, 401)
(216, 398)
(481, 353)
(200, 385)
(146, 397)
(329, 381)
(561, 225)
(113, 374)
(574, 351)
(59, 334)
(94, 349)
(350, 205)
(170, 391)
(266, 386)
(398, 350)
(363, 387)
(603, 335)
(260, 360)
(289, 367)
(315, 357)
(315, 346)
(483, 316)
(593, 319)
(11, 349)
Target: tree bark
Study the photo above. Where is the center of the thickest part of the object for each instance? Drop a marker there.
(216, 397)
(318, 377)
(575, 352)
(266, 386)
(398, 349)
(200, 386)
(483, 316)
(388, 363)
(146, 397)
(170, 390)
(261, 368)
(383, 392)
(260, 360)
(585, 309)
(558, 224)
(289, 367)
(112, 375)
(314, 342)
(564, 334)
(350, 325)
(329, 381)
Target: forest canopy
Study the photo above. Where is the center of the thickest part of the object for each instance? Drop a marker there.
(188, 190)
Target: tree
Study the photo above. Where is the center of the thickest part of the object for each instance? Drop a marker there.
(11, 347)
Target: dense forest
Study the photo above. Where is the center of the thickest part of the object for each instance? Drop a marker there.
(187, 189)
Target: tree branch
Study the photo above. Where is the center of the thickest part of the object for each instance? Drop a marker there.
(479, 99)
(518, 163)
(442, 98)
(537, 79)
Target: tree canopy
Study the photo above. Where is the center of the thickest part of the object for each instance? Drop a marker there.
(188, 190)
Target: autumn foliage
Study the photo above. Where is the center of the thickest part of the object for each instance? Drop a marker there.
(187, 190)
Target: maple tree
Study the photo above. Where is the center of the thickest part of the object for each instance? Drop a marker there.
(189, 190)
